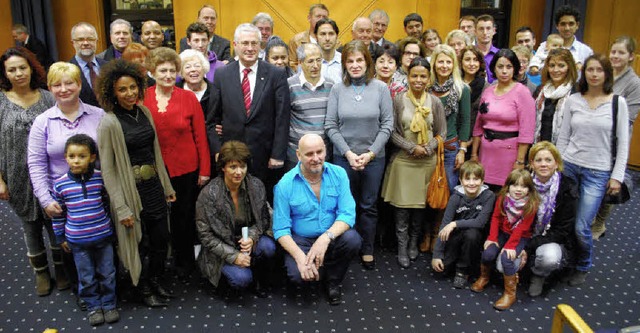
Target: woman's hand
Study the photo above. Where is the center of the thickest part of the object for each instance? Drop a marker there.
(517, 165)
(474, 158)
(127, 222)
(171, 197)
(246, 245)
(365, 158)
(4, 190)
(459, 159)
(419, 152)
(219, 130)
(511, 254)
(613, 186)
(488, 243)
(354, 161)
(437, 265)
(65, 247)
(243, 260)
(203, 180)
(53, 210)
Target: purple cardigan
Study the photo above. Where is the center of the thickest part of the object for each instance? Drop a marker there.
(48, 136)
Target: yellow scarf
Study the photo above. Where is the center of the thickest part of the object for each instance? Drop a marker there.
(418, 124)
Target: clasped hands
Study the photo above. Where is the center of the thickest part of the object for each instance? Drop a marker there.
(358, 162)
(309, 264)
(244, 258)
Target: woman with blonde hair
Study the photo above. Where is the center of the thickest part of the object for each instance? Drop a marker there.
(458, 40)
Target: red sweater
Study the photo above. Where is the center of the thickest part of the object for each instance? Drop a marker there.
(500, 222)
(181, 132)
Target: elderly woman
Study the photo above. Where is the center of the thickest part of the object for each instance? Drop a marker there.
(458, 39)
(387, 59)
(418, 118)
(553, 238)
(277, 53)
(138, 53)
(590, 156)
(559, 77)
(22, 99)
(135, 176)
(506, 121)
(47, 139)
(359, 122)
(183, 141)
(409, 49)
(229, 203)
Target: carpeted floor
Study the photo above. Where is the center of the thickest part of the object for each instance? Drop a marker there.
(387, 299)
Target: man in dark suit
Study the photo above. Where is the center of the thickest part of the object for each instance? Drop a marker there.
(85, 39)
(250, 99)
(120, 34)
(23, 38)
(380, 20)
(208, 16)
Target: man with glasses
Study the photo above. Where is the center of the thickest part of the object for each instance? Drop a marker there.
(120, 35)
(85, 39)
(250, 99)
(380, 20)
(198, 39)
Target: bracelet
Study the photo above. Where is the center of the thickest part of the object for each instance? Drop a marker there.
(519, 162)
(464, 149)
(372, 155)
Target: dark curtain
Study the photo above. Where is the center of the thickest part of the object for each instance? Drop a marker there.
(37, 16)
(549, 21)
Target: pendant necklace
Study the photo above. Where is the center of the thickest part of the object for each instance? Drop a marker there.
(132, 117)
(358, 95)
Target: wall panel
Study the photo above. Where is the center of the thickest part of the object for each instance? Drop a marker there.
(6, 23)
(67, 13)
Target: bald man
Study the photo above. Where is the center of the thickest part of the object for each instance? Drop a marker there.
(313, 219)
(151, 35)
(362, 30)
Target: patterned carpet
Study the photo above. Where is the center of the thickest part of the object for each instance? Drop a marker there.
(387, 299)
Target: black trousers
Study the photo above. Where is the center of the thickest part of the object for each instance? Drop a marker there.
(182, 219)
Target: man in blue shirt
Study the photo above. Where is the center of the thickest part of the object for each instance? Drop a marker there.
(313, 219)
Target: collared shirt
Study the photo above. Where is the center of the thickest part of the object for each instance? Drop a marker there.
(85, 69)
(579, 50)
(251, 75)
(333, 69)
(487, 61)
(307, 84)
(47, 138)
(297, 210)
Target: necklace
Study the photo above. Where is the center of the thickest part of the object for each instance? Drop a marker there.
(358, 95)
(312, 182)
(132, 117)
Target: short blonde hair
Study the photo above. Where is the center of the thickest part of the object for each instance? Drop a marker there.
(546, 145)
(60, 69)
(161, 55)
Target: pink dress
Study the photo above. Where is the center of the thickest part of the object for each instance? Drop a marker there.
(512, 112)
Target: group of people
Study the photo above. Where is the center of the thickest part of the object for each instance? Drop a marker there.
(291, 156)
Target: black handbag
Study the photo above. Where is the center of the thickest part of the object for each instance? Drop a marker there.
(625, 189)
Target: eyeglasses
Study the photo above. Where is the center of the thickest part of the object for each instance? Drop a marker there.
(247, 43)
(88, 40)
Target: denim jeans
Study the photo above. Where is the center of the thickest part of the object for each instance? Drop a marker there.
(96, 274)
(548, 258)
(365, 187)
(593, 186)
(503, 263)
(450, 166)
(241, 277)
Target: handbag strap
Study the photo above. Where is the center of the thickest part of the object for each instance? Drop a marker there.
(614, 131)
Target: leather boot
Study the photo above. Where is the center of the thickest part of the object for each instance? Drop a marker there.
(426, 242)
(147, 296)
(159, 290)
(536, 285)
(62, 281)
(509, 295)
(402, 232)
(414, 235)
(598, 227)
(43, 278)
(434, 232)
(483, 280)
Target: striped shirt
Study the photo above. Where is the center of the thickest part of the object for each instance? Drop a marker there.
(308, 109)
(84, 220)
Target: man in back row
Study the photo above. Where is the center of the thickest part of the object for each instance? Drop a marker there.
(316, 13)
(208, 16)
(120, 34)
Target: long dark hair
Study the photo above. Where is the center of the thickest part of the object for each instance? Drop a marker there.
(509, 55)
(607, 87)
(38, 76)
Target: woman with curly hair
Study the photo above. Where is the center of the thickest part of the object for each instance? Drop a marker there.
(22, 99)
(135, 177)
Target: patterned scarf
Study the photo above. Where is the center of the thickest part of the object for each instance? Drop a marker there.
(418, 124)
(451, 106)
(514, 209)
(548, 192)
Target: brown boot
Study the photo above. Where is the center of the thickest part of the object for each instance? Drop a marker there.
(43, 278)
(509, 295)
(425, 246)
(62, 281)
(483, 280)
(434, 235)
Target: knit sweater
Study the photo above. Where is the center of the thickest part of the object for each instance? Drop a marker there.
(627, 85)
(467, 212)
(363, 125)
(84, 220)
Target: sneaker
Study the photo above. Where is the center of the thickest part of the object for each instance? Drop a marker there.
(111, 316)
(460, 280)
(96, 318)
(578, 278)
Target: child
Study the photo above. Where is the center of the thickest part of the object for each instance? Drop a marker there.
(510, 232)
(85, 229)
(460, 237)
(554, 41)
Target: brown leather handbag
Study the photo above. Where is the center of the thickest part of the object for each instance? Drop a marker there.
(438, 189)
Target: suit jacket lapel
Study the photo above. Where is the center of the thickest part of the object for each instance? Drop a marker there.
(261, 78)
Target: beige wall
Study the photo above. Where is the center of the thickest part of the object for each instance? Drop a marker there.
(67, 13)
(6, 22)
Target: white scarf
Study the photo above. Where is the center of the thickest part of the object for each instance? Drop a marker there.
(550, 92)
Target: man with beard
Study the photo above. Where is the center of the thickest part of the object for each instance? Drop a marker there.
(85, 39)
(327, 33)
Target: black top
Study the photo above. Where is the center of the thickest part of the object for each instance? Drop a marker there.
(546, 120)
(138, 135)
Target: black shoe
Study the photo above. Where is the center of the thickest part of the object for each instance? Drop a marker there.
(259, 289)
(82, 305)
(153, 301)
(460, 280)
(159, 290)
(368, 265)
(335, 295)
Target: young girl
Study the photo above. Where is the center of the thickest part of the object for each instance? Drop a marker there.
(510, 232)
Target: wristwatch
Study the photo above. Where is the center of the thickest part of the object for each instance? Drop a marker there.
(330, 234)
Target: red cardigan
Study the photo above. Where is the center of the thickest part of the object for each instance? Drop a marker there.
(500, 222)
(181, 132)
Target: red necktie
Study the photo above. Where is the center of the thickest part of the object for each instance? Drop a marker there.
(92, 75)
(246, 90)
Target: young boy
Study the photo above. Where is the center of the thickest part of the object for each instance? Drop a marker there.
(85, 229)
(554, 41)
(461, 233)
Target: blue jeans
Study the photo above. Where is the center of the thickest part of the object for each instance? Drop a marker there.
(450, 166)
(241, 277)
(96, 274)
(593, 186)
(504, 264)
(365, 187)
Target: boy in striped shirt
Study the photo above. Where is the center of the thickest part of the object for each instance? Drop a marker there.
(85, 229)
